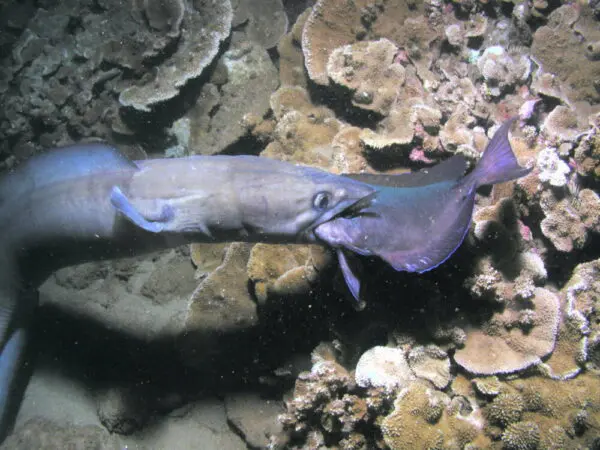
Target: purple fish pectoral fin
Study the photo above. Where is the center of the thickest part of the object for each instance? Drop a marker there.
(350, 266)
(155, 225)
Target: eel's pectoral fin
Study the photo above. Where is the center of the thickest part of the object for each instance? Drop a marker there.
(154, 224)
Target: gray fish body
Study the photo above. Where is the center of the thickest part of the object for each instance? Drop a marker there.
(88, 202)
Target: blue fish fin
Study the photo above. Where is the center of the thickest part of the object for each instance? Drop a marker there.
(498, 162)
(125, 207)
(438, 248)
(451, 169)
(350, 266)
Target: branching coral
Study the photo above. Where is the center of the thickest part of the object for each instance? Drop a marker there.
(327, 405)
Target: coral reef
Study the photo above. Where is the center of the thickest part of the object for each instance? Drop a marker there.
(364, 65)
(426, 418)
(265, 21)
(205, 26)
(248, 77)
(279, 271)
(328, 406)
(383, 367)
(518, 337)
(538, 412)
(567, 41)
(497, 348)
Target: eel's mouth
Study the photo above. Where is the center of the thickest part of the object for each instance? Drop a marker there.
(346, 208)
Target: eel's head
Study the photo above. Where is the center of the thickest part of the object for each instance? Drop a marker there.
(291, 205)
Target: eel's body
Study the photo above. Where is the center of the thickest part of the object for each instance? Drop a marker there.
(89, 202)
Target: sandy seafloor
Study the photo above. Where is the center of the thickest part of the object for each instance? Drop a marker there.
(256, 346)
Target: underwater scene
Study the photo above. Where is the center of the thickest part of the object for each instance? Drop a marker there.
(300, 224)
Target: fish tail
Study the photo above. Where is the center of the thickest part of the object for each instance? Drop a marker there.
(16, 307)
(498, 162)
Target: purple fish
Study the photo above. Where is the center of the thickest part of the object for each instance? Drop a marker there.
(417, 221)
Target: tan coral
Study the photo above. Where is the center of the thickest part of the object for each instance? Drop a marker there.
(220, 303)
(334, 23)
(290, 98)
(521, 436)
(569, 220)
(198, 45)
(369, 71)
(207, 257)
(562, 124)
(304, 133)
(280, 270)
(265, 21)
(217, 120)
(566, 414)
(579, 322)
(558, 48)
(514, 339)
(430, 363)
(291, 58)
(587, 155)
(326, 405)
(505, 409)
(395, 130)
(348, 152)
(456, 130)
(426, 418)
(164, 15)
(487, 386)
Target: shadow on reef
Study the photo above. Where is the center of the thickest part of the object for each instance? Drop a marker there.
(86, 351)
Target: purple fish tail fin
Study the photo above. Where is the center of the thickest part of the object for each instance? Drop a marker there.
(498, 162)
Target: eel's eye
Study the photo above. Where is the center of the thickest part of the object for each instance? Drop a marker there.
(322, 200)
